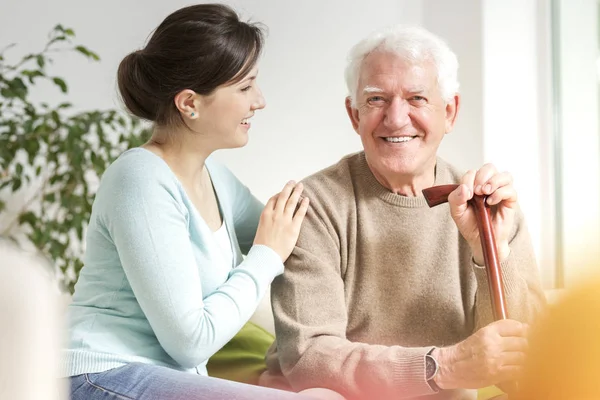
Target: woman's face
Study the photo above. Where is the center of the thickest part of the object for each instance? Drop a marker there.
(225, 114)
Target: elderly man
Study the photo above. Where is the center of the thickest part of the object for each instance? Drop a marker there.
(383, 297)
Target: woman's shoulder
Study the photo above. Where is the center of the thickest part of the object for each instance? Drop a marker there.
(136, 174)
(139, 166)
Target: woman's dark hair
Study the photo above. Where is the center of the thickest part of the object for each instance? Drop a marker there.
(198, 47)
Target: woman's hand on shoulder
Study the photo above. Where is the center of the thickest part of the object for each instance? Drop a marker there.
(280, 221)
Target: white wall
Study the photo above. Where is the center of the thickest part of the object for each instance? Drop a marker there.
(516, 130)
(459, 22)
(504, 119)
(578, 111)
(304, 126)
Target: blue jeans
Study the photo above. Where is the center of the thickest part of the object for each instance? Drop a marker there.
(150, 382)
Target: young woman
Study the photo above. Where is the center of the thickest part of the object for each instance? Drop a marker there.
(165, 285)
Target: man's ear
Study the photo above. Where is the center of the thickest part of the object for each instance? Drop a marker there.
(352, 113)
(186, 102)
(451, 112)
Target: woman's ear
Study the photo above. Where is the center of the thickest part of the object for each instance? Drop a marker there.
(187, 103)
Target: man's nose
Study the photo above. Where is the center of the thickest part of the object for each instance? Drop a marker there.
(397, 114)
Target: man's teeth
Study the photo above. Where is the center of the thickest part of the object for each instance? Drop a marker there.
(245, 121)
(399, 139)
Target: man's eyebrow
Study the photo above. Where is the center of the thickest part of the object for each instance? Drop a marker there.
(372, 89)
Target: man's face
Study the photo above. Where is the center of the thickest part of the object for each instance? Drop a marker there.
(400, 115)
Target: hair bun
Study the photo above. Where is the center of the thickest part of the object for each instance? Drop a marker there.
(135, 88)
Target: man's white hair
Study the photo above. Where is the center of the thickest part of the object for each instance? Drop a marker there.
(413, 44)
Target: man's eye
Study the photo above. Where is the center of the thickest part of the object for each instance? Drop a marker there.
(375, 99)
(419, 98)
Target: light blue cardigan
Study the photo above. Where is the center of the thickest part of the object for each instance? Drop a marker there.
(155, 287)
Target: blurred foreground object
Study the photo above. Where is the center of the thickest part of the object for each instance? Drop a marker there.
(30, 326)
(564, 357)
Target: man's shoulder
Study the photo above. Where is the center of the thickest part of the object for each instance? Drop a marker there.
(334, 181)
(447, 173)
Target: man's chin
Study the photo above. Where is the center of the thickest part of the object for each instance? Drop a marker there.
(402, 166)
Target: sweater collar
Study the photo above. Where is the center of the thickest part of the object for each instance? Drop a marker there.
(372, 186)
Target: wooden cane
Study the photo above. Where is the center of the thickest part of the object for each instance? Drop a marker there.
(437, 195)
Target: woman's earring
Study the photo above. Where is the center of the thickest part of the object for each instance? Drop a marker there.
(192, 115)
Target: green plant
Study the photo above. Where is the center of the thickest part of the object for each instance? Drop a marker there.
(52, 156)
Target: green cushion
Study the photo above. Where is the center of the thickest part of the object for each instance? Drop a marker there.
(242, 359)
(488, 393)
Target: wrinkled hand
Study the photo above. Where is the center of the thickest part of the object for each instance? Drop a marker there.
(493, 354)
(280, 222)
(502, 198)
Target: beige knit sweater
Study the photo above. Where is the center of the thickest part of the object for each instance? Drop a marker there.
(377, 279)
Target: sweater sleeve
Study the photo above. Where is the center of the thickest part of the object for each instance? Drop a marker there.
(524, 295)
(311, 321)
(148, 224)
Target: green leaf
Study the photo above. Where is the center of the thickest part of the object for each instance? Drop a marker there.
(78, 224)
(16, 184)
(56, 118)
(60, 83)
(16, 88)
(86, 52)
(41, 61)
(9, 94)
(31, 75)
(60, 38)
(55, 178)
(32, 147)
(28, 218)
(28, 126)
(19, 169)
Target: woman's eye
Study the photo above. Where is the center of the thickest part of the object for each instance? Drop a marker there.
(245, 89)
